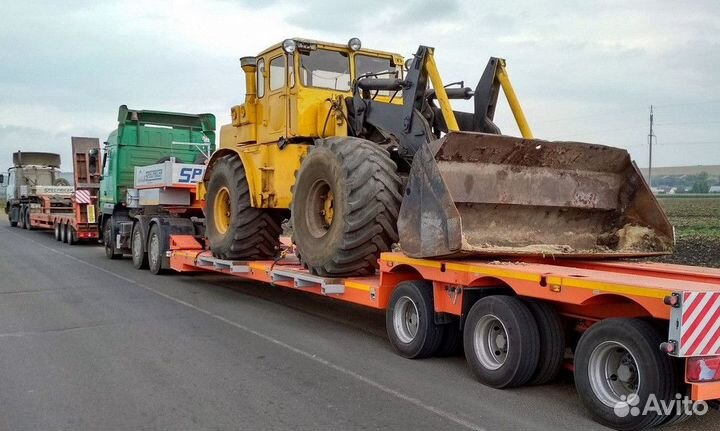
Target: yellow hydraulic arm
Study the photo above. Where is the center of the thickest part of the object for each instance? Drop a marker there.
(500, 75)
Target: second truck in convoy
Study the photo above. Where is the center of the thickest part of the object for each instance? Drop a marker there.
(150, 165)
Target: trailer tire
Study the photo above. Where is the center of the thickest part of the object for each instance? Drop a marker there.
(56, 228)
(109, 241)
(155, 250)
(139, 251)
(552, 342)
(502, 341)
(70, 234)
(410, 322)
(346, 200)
(63, 233)
(629, 349)
(235, 229)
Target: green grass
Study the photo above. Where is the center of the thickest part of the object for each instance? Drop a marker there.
(693, 216)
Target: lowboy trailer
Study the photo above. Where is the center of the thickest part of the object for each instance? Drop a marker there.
(73, 219)
(624, 328)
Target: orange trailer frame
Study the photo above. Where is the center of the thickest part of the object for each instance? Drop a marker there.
(588, 291)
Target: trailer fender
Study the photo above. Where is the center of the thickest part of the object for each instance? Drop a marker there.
(169, 226)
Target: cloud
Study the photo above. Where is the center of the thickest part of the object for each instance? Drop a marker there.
(583, 71)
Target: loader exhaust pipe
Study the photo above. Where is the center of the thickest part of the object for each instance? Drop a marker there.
(249, 66)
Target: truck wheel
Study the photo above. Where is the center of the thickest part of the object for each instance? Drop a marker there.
(109, 241)
(21, 217)
(139, 254)
(345, 205)
(618, 367)
(13, 216)
(58, 237)
(63, 233)
(28, 224)
(502, 343)
(410, 321)
(552, 342)
(234, 228)
(155, 250)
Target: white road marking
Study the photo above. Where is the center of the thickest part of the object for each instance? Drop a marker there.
(390, 391)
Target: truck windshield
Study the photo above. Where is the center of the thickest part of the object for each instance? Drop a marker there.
(325, 69)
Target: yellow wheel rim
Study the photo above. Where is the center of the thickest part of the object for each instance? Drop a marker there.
(221, 210)
(328, 211)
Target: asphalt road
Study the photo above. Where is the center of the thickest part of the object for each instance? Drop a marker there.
(92, 344)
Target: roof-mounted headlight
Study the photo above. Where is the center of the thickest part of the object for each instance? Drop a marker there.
(354, 44)
(289, 46)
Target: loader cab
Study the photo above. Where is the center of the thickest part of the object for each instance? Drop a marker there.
(295, 90)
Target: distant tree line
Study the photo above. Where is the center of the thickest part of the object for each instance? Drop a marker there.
(699, 183)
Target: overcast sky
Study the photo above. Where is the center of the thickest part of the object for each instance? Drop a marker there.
(585, 71)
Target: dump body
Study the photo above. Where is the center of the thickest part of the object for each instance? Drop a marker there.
(484, 194)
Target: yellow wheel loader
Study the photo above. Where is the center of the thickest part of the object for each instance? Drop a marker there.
(361, 153)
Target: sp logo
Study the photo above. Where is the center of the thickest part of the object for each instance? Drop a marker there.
(190, 175)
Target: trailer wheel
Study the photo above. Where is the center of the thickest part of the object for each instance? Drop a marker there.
(70, 234)
(63, 233)
(552, 342)
(58, 237)
(109, 241)
(410, 322)
(155, 250)
(618, 367)
(502, 343)
(139, 253)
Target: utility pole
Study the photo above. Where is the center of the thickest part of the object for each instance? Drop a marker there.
(650, 142)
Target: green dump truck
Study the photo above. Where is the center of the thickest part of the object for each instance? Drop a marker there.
(150, 166)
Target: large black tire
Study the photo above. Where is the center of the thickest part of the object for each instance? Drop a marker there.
(631, 345)
(109, 241)
(27, 223)
(139, 251)
(70, 234)
(552, 342)
(155, 250)
(21, 217)
(410, 320)
(251, 233)
(365, 190)
(13, 216)
(63, 233)
(502, 342)
(56, 228)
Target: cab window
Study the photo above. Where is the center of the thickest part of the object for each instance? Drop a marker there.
(277, 73)
(325, 69)
(376, 67)
(260, 78)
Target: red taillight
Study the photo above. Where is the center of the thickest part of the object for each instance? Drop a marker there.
(701, 369)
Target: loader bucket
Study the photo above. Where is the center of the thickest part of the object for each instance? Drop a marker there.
(491, 195)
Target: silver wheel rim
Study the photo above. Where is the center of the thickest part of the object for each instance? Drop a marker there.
(406, 320)
(491, 342)
(613, 372)
(137, 245)
(154, 250)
